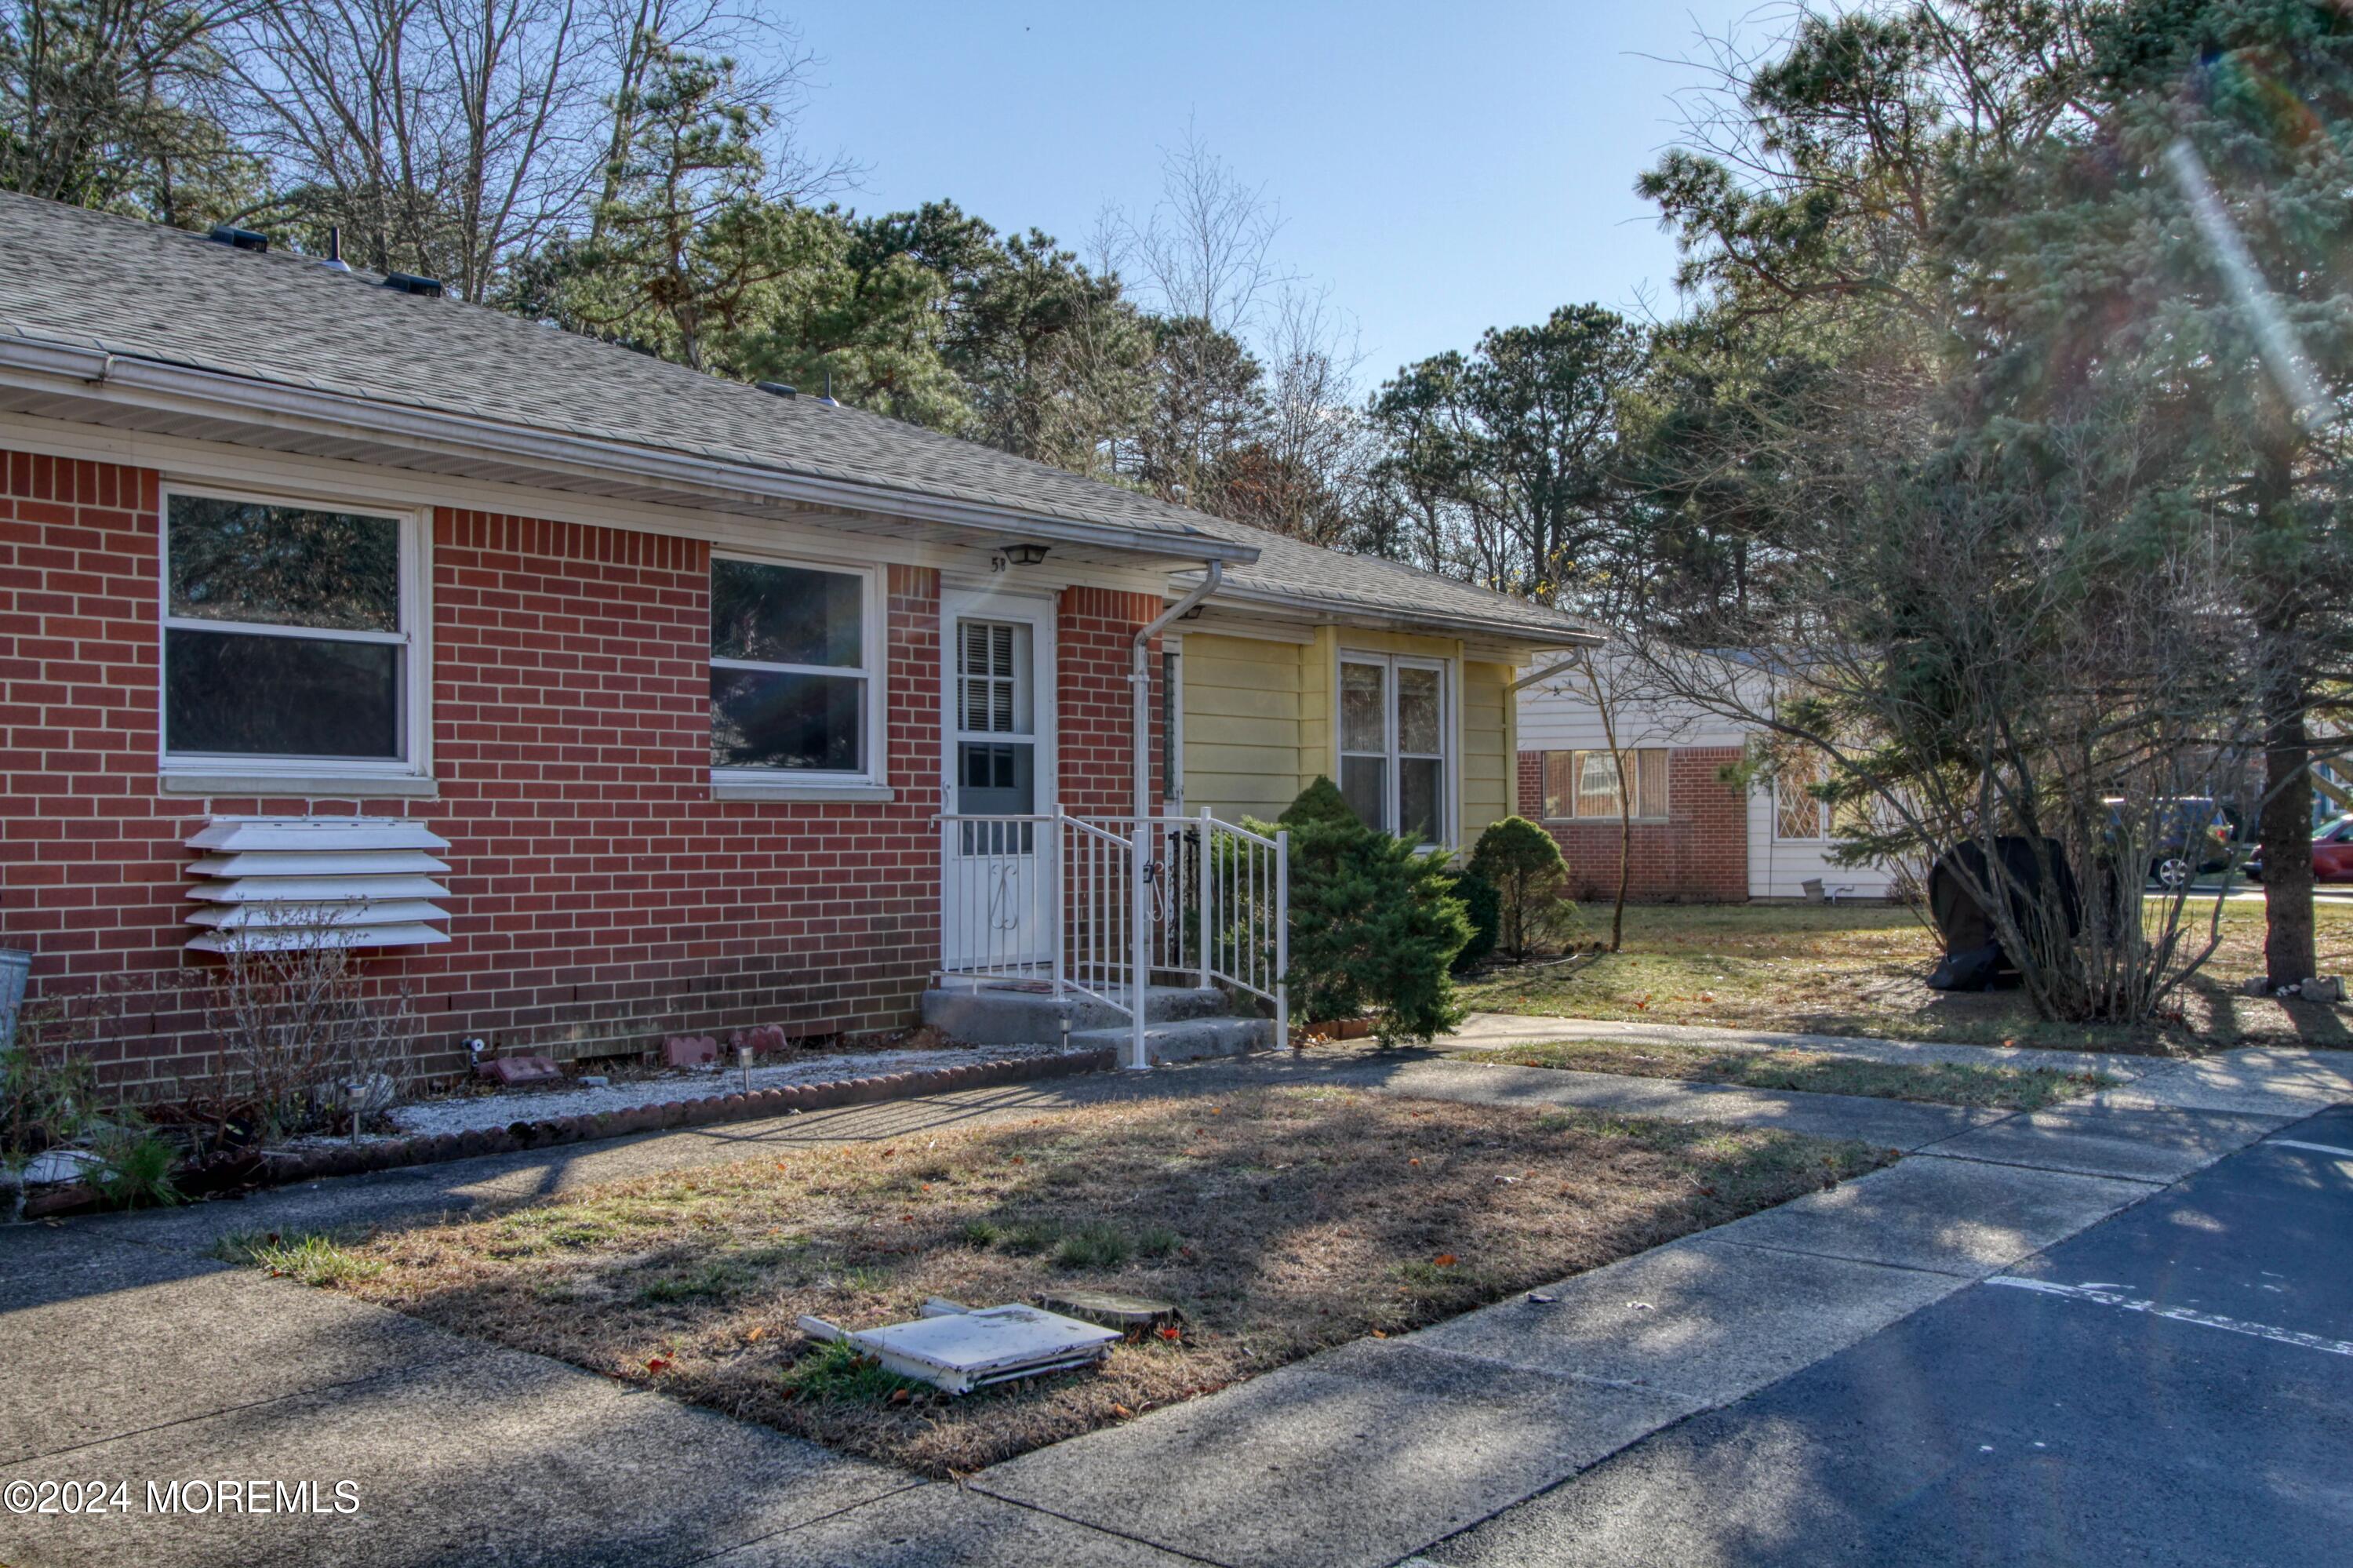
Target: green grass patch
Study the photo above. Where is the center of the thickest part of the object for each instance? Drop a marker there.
(1094, 1246)
(308, 1259)
(833, 1372)
(1808, 1072)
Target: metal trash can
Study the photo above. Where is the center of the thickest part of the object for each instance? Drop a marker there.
(15, 968)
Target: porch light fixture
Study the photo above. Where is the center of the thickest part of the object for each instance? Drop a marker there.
(1024, 554)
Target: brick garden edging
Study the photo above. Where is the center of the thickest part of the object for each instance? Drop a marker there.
(245, 1169)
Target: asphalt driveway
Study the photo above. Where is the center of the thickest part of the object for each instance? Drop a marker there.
(2172, 1385)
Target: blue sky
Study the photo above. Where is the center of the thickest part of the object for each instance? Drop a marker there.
(1441, 169)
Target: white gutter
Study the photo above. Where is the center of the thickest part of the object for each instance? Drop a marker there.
(1546, 673)
(1140, 679)
(120, 380)
(1359, 611)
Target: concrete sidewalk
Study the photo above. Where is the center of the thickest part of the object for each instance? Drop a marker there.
(153, 1363)
(1484, 1031)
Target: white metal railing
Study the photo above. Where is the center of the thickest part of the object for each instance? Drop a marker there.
(1097, 942)
(1101, 906)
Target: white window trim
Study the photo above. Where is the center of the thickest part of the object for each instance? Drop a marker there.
(217, 772)
(1172, 786)
(782, 783)
(1450, 742)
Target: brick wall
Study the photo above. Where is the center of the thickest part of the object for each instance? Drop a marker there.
(1700, 854)
(600, 895)
(1093, 634)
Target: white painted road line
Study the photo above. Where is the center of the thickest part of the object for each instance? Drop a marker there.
(2178, 1314)
(2315, 1147)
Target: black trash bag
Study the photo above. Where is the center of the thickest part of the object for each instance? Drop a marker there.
(1972, 968)
(1973, 955)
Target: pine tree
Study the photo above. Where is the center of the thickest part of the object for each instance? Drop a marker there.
(1374, 922)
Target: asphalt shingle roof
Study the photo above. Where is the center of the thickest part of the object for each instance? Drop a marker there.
(144, 292)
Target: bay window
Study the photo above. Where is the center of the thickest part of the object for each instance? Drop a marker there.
(289, 636)
(793, 672)
(1394, 750)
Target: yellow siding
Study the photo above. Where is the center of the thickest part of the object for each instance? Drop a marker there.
(1487, 755)
(1259, 721)
(1241, 724)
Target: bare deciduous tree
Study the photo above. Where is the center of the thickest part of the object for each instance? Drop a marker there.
(456, 137)
(107, 102)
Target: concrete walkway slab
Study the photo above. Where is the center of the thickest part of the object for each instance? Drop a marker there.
(2265, 1081)
(40, 1263)
(941, 1526)
(1703, 1320)
(1488, 1029)
(1356, 1456)
(425, 1192)
(1889, 1124)
(495, 1457)
(1952, 1216)
(174, 1349)
(2152, 1144)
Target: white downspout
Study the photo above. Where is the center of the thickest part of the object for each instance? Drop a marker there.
(1140, 679)
(1139, 676)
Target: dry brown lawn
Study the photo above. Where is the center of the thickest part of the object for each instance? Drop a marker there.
(1280, 1221)
(1859, 968)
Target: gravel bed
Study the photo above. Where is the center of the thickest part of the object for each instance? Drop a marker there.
(475, 1113)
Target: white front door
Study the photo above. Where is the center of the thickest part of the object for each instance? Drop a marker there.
(995, 881)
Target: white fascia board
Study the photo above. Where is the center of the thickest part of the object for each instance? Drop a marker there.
(168, 388)
(194, 461)
(1350, 613)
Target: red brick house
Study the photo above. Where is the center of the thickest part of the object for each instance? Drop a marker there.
(1694, 837)
(610, 698)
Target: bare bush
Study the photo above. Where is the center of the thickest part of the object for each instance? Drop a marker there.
(302, 1033)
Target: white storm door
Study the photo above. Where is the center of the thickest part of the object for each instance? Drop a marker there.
(996, 881)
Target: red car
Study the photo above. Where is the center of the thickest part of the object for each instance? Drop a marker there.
(2332, 854)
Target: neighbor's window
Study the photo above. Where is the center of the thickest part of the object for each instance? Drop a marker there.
(791, 670)
(1584, 783)
(1393, 735)
(288, 634)
(1798, 816)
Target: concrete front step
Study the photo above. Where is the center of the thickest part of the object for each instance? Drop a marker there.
(1005, 1016)
(1185, 1040)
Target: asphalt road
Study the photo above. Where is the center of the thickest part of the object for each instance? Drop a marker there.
(2173, 1385)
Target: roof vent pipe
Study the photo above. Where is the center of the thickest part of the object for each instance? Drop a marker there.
(334, 262)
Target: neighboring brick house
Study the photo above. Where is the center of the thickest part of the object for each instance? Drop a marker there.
(611, 699)
(1694, 838)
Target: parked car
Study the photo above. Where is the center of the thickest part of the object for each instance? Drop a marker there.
(2332, 852)
(2193, 837)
